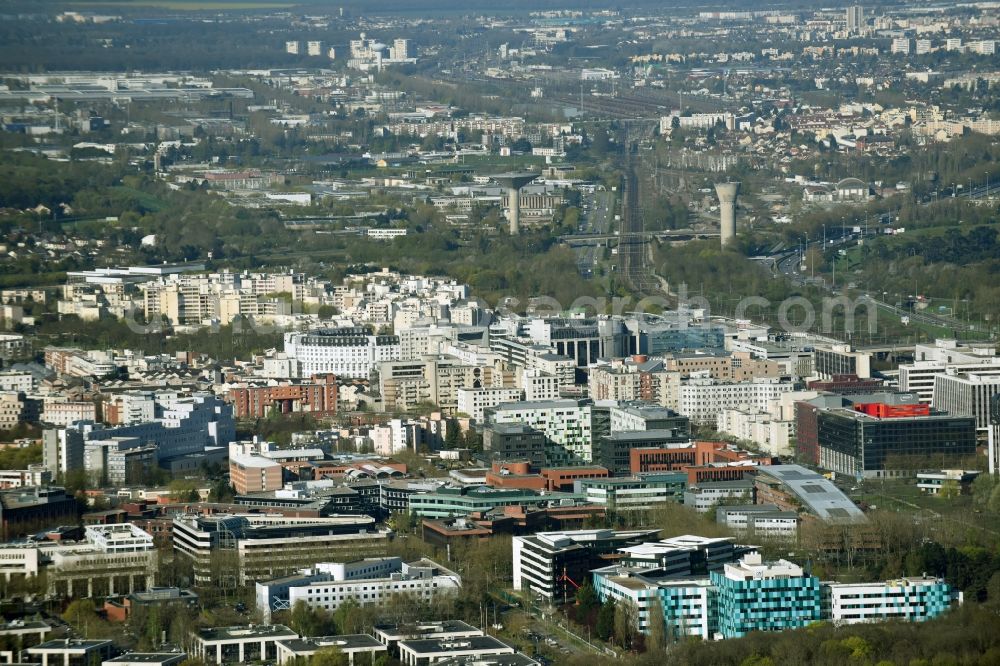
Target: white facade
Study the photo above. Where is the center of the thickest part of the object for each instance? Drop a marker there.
(349, 352)
(966, 395)
(474, 402)
(566, 424)
(703, 399)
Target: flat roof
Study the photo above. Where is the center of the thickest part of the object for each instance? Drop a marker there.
(252, 632)
(438, 645)
(147, 658)
(345, 642)
(516, 659)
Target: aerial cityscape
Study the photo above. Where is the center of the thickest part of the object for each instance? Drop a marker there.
(551, 332)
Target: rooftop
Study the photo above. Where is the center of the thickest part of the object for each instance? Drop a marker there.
(817, 493)
(253, 631)
(345, 642)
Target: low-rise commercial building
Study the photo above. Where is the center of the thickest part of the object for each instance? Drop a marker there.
(367, 582)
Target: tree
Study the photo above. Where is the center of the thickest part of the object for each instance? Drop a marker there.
(656, 643)
(606, 620)
(586, 598)
(84, 618)
(626, 622)
(304, 620)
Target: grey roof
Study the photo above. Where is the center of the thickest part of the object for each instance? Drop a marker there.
(644, 435)
(345, 642)
(464, 644)
(817, 493)
(516, 659)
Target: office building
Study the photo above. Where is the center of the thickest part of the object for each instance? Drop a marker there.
(241, 644)
(759, 521)
(183, 426)
(296, 650)
(930, 360)
(25, 511)
(638, 493)
(367, 582)
(614, 451)
(966, 394)
(109, 560)
(232, 550)
(754, 595)
(553, 564)
(796, 488)
(912, 599)
(454, 502)
(704, 497)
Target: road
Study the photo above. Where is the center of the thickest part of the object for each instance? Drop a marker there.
(595, 217)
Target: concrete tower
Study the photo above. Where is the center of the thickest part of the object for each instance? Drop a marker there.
(514, 182)
(727, 193)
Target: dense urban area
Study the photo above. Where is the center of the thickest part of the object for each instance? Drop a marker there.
(410, 333)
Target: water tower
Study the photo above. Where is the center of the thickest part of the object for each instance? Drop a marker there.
(513, 182)
(727, 193)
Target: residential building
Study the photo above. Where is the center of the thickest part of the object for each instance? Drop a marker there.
(254, 474)
(316, 396)
(702, 399)
(345, 352)
(475, 402)
(565, 423)
(514, 441)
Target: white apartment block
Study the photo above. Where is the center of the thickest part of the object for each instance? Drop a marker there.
(20, 382)
(314, 48)
(346, 352)
(911, 599)
(920, 376)
(703, 399)
(566, 424)
(474, 402)
(112, 559)
(369, 582)
(966, 394)
(539, 386)
(759, 427)
(900, 45)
